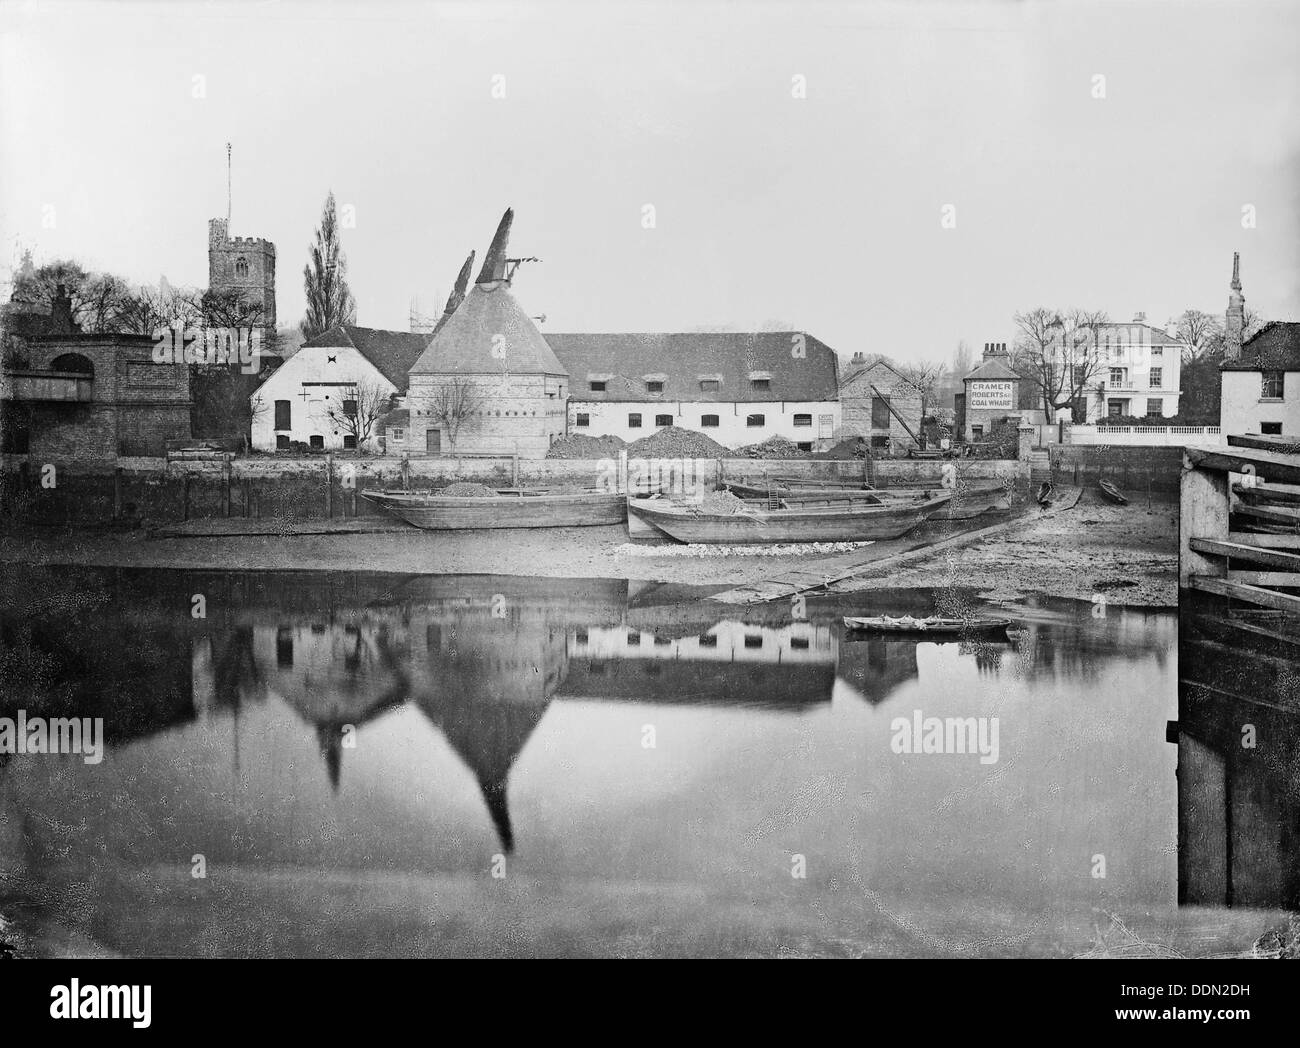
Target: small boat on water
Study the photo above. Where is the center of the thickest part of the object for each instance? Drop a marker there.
(507, 508)
(1045, 492)
(759, 488)
(751, 524)
(968, 500)
(1112, 493)
(930, 624)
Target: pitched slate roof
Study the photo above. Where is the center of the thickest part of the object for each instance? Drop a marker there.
(392, 352)
(488, 334)
(1275, 347)
(863, 369)
(993, 368)
(680, 360)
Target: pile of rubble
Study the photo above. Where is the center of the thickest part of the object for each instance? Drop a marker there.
(466, 490)
(852, 448)
(772, 448)
(722, 502)
(675, 442)
(581, 446)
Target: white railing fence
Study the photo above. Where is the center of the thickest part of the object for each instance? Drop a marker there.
(1143, 436)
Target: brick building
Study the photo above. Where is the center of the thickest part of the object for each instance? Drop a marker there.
(880, 405)
(90, 398)
(992, 393)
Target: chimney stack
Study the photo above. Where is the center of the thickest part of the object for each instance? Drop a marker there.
(61, 322)
(1234, 327)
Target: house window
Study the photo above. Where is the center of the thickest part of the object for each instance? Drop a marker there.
(350, 408)
(282, 442)
(1080, 374)
(396, 434)
(663, 420)
(1118, 376)
(283, 413)
(1157, 351)
(708, 421)
(1155, 407)
(708, 640)
(760, 384)
(598, 386)
(710, 385)
(634, 420)
(1154, 381)
(583, 420)
(317, 441)
(879, 412)
(1271, 387)
(1274, 428)
(349, 441)
(654, 387)
(976, 432)
(755, 420)
(803, 420)
(1115, 408)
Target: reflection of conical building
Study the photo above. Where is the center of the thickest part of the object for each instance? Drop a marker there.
(875, 666)
(486, 683)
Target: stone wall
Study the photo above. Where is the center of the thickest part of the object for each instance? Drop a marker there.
(1132, 469)
(515, 414)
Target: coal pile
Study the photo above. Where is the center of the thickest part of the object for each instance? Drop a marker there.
(772, 448)
(722, 502)
(581, 446)
(675, 442)
(853, 448)
(466, 490)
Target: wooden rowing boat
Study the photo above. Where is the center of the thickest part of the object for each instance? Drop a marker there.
(930, 624)
(968, 500)
(1112, 493)
(508, 508)
(756, 525)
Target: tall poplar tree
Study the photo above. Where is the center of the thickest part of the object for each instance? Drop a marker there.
(329, 300)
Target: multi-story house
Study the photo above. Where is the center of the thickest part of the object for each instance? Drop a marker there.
(1137, 373)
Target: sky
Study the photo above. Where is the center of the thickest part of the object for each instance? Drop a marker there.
(815, 203)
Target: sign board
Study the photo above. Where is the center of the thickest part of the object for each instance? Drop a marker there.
(989, 396)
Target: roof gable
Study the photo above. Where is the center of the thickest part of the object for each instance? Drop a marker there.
(391, 352)
(626, 362)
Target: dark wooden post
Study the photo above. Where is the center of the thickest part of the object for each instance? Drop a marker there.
(117, 492)
(185, 496)
(329, 485)
(225, 486)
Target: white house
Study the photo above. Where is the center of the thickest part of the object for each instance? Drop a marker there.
(1139, 374)
(1261, 386)
(738, 388)
(325, 381)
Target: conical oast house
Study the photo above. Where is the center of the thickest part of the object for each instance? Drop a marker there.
(488, 383)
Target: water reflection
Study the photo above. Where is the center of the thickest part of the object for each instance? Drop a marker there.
(320, 721)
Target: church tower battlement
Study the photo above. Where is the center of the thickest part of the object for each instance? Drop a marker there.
(244, 264)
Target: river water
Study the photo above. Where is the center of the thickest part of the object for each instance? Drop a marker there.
(322, 763)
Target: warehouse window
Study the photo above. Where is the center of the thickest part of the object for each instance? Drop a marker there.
(598, 386)
(755, 420)
(1274, 428)
(879, 412)
(710, 385)
(282, 414)
(654, 387)
(708, 640)
(760, 384)
(663, 420)
(708, 421)
(803, 420)
(1271, 386)
(634, 420)
(350, 408)
(583, 420)
(804, 445)
(282, 442)
(317, 441)
(349, 441)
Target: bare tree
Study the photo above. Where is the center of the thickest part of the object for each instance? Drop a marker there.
(452, 402)
(97, 298)
(1059, 352)
(1198, 332)
(153, 309)
(362, 406)
(925, 378)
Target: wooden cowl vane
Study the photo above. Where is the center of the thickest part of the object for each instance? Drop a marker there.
(494, 262)
(457, 295)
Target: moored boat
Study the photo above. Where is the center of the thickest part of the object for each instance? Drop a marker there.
(751, 524)
(508, 508)
(929, 624)
(1112, 493)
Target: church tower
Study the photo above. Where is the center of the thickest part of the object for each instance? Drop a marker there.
(1234, 325)
(244, 264)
